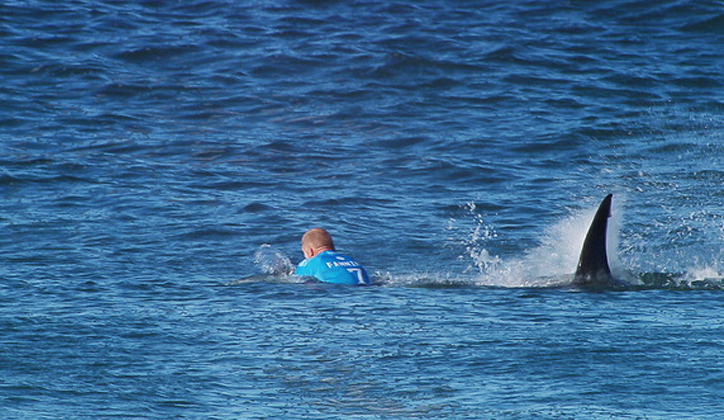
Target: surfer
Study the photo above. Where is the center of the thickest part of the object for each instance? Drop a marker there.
(324, 263)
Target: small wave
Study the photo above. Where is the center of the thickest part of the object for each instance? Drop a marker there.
(707, 279)
(422, 280)
(268, 278)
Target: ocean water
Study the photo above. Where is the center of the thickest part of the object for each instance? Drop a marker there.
(160, 160)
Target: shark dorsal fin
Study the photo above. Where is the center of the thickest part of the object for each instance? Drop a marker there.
(593, 269)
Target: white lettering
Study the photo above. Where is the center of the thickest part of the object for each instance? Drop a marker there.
(358, 273)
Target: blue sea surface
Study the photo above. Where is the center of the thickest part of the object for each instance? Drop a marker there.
(160, 160)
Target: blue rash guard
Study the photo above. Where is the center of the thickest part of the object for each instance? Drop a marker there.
(331, 267)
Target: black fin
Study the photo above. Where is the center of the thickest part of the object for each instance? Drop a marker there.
(593, 269)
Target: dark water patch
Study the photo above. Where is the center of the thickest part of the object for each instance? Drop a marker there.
(211, 233)
(701, 82)
(256, 208)
(359, 202)
(403, 142)
(712, 24)
(565, 103)
(147, 54)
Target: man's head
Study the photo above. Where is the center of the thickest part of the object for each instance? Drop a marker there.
(315, 241)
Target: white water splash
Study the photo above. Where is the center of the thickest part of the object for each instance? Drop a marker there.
(272, 261)
(481, 234)
(551, 263)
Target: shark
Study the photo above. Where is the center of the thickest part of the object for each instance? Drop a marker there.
(593, 270)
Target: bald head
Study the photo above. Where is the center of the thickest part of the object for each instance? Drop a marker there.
(315, 241)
